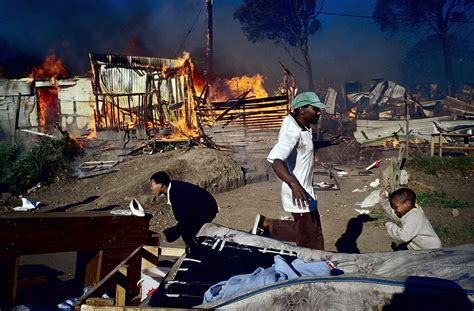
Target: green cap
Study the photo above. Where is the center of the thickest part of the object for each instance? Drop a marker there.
(307, 98)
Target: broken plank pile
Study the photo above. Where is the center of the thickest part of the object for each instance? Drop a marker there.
(376, 132)
(249, 127)
(250, 114)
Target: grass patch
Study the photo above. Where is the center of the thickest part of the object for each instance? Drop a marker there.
(380, 217)
(462, 165)
(21, 169)
(439, 199)
(455, 236)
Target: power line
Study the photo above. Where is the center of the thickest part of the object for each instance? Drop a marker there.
(191, 29)
(400, 19)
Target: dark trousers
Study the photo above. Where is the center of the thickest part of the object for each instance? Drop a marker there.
(305, 230)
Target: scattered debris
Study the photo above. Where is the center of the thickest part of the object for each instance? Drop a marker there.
(375, 183)
(94, 174)
(365, 189)
(27, 205)
(370, 200)
(38, 185)
(375, 164)
(96, 168)
(404, 177)
(39, 134)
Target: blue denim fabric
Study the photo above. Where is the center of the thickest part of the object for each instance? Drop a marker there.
(280, 271)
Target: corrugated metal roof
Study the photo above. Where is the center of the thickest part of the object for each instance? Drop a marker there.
(12, 87)
(134, 61)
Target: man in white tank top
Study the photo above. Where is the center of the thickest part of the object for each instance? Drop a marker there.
(292, 159)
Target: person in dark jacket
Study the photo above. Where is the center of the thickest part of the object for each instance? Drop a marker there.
(192, 206)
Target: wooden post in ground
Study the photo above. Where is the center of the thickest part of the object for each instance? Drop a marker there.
(432, 145)
(440, 152)
(17, 117)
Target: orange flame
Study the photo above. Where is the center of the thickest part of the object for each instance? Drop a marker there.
(352, 114)
(48, 108)
(224, 89)
(391, 143)
(52, 68)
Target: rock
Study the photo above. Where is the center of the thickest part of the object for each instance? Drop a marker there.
(455, 212)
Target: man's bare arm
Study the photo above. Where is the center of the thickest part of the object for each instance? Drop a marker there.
(300, 198)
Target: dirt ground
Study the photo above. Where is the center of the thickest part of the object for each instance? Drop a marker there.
(344, 229)
(215, 171)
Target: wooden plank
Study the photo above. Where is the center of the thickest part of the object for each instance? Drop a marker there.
(253, 100)
(369, 124)
(171, 251)
(93, 268)
(149, 256)
(454, 135)
(458, 105)
(98, 289)
(280, 104)
(100, 302)
(24, 234)
(121, 288)
(447, 147)
(8, 279)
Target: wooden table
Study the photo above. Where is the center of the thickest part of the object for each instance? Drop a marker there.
(102, 241)
(466, 148)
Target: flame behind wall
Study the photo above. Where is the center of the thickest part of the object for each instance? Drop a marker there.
(47, 97)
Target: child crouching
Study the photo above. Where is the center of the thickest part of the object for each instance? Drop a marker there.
(416, 229)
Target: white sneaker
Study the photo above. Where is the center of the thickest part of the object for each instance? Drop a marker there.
(255, 225)
(137, 208)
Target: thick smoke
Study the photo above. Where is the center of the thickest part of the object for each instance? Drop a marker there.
(345, 49)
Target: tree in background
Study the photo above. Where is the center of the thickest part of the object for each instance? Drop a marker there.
(440, 17)
(422, 60)
(287, 23)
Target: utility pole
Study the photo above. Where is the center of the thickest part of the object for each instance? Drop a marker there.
(407, 127)
(209, 69)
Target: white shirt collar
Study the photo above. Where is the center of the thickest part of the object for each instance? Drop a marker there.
(296, 123)
(168, 194)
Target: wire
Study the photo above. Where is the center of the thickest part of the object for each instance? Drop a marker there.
(401, 19)
(190, 29)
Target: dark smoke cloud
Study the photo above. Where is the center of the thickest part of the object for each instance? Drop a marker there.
(345, 49)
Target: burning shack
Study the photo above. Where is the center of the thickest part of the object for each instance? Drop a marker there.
(143, 96)
(45, 102)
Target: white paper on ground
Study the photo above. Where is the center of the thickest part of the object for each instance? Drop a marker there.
(370, 200)
(365, 189)
(375, 183)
